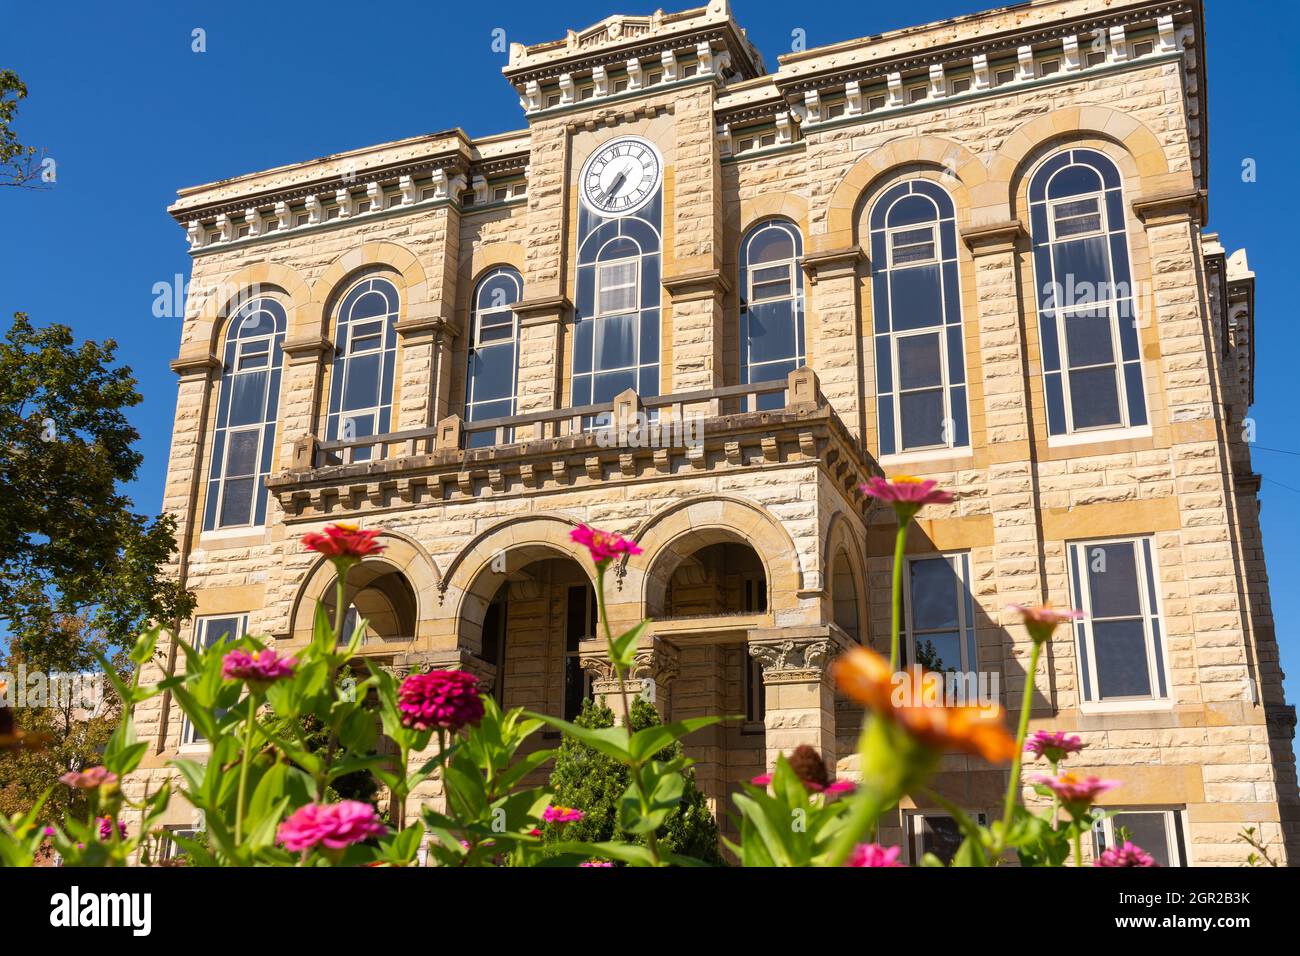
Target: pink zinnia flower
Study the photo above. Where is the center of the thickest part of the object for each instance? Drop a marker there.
(345, 542)
(603, 545)
(833, 789)
(89, 779)
(1130, 854)
(1053, 745)
(1075, 791)
(445, 699)
(257, 669)
(1041, 620)
(596, 863)
(106, 829)
(558, 814)
(332, 826)
(873, 854)
(907, 491)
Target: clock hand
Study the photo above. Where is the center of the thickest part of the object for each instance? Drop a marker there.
(613, 187)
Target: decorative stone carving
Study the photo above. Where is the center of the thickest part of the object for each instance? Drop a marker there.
(792, 661)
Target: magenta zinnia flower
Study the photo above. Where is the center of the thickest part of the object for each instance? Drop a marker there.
(873, 854)
(596, 863)
(1130, 854)
(445, 699)
(257, 669)
(1041, 620)
(558, 814)
(1075, 791)
(1054, 745)
(906, 494)
(603, 545)
(345, 542)
(106, 829)
(332, 826)
(89, 779)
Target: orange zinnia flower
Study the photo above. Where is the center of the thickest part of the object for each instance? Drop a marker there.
(865, 676)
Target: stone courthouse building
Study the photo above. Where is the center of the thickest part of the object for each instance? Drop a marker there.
(699, 301)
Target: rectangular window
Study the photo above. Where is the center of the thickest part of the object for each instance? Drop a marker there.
(767, 139)
(207, 631)
(771, 282)
(1159, 832)
(935, 833)
(876, 103)
(834, 111)
(168, 849)
(1143, 48)
(616, 291)
(1048, 67)
(1003, 77)
(913, 246)
(1096, 58)
(939, 614)
(755, 701)
(580, 625)
(620, 86)
(552, 99)
(1120, 645)
(916, 94)
(959, 85)
(1076, 218)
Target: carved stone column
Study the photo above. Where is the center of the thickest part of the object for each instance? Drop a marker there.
(653, 669)
(541, 323)
(798, 695)
(836, 347)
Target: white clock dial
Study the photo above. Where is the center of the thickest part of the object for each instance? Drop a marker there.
(621, 176)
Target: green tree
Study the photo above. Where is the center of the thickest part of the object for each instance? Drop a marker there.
(19, 164)
(594, 783)
(71, 547)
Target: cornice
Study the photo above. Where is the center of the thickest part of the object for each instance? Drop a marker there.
(698, 284)
(828, 262)
(195, 363)
(1173, 206)
(993, 237)
(541, 309)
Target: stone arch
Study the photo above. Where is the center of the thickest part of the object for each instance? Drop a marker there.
(387, 257)
(472, 581)
(1144, 159)
(238, 287)
(751, 212)
(839, 225)
(844, 541)
(402, 554)
(682, 528)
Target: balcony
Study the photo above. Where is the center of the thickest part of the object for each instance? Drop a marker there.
(627, 439)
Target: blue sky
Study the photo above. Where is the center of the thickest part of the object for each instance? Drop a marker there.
(130, 114)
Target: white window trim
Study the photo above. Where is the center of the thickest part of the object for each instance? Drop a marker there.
(960, 562)
(1179, 856)
(957, 453)
(386, 357)
(1152, 701)
(795, 298)
(471, 402)
(1093, 436)
(200, 642)
(634, 285)
(890, 244)
(945, 386)
(260, 426)
(914, 836)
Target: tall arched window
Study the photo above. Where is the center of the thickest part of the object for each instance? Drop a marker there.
(1092, 369)
(493, 351)
(616, 327)
(771, 306)
(920, 355)
(365, 350)
(244, 442)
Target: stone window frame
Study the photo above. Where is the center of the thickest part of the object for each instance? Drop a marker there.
(960, 562)
(1103, 831)
(797, 296)
(477, 311)
(914, 837)
(202, 640)
(383, 411)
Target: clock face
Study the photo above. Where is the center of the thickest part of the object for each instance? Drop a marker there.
(621, 176)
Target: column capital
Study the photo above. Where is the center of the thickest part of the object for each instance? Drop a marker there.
(833, 263)
(993, 237)
(1162, 209)
(455, 659)
(658, 661)
(307, 348)
(543, 310)
(794, 660)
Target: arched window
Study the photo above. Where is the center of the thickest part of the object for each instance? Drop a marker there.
(920, 355)
(616, 306)
(244, 442)
(365, 349)
(771, 306)
(493, 351)
(1092, 369)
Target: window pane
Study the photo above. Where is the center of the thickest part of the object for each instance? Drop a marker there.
(237, 502)
(917, 300)
(1121, 652)
(940, 836)
(934, 594)
(241, 453)
(368, 305)
(923, 418)
(911, 209)
(912, 245)
(1147, 830)
(1088, 338)
(1074, 181)
(940, 651)
(771, 332)
(1113, 580)
(1094, 397)
(919, 364)
(770, 245)
(362, 386)
(616, 342)
(215, 628)
(247, 395)
(1077, 217)
(1082, 262)
(617, 287)
(492, 373)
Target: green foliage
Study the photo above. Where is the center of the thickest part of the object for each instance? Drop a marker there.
(73, 545)
(595, 783)
(17, 162)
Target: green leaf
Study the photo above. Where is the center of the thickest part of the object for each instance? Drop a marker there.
(611, 741)
(646, 743)
(622, 649)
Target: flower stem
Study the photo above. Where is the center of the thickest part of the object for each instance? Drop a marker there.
(245, 760)
(1013, 785)
(896, 618)
(1078, 847)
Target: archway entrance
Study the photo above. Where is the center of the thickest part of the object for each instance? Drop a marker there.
(380, 595)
